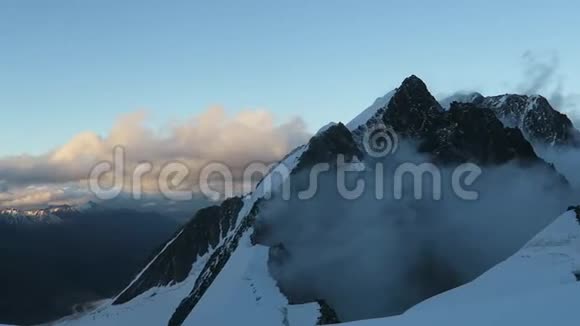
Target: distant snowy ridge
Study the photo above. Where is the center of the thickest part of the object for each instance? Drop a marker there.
(34, 216)
(50, 215)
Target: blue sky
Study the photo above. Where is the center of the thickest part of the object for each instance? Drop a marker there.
(71, 66)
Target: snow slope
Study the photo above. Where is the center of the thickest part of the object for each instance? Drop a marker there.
(150, 308)
(371, 111)
(251, 296)
(536, 286)
(243, 287)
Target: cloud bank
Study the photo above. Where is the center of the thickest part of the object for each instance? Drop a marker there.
(212, 136)
(372, 258)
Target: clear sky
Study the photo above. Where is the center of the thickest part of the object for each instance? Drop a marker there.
(71, 66)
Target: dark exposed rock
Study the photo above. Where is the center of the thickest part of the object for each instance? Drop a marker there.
(212, 268)
(466, 132)
(173, 265)
(576, 210)
(533, 115)
(327, 314)
(325, 147)
(413, 111)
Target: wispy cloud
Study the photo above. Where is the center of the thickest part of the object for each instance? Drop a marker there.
(542, 75)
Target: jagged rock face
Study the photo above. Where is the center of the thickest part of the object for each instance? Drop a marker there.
(463, 133)
(413, 111)
(212, 268)
(533, 115)
(325, 148)
(466, 133)
(576, 210)
(173, 265)
(327, 314)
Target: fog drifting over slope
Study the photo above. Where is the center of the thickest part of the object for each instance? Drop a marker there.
(60, 176)
(371, 258)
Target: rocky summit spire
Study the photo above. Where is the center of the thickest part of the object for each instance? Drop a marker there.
(412, 111)
(465, 133)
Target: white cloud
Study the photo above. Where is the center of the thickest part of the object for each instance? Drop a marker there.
(235, 140)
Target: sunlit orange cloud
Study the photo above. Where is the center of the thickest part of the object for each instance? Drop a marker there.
(235, 140)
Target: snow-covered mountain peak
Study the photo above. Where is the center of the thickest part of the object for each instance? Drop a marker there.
(532, 114)
(371, 112)
(413, 101)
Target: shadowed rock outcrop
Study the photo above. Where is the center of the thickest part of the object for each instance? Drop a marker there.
(325, 147)
(173, 265)
(212, 268)
(465, 133)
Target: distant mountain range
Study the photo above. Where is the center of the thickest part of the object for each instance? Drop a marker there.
(48, 215)
(55, 260)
